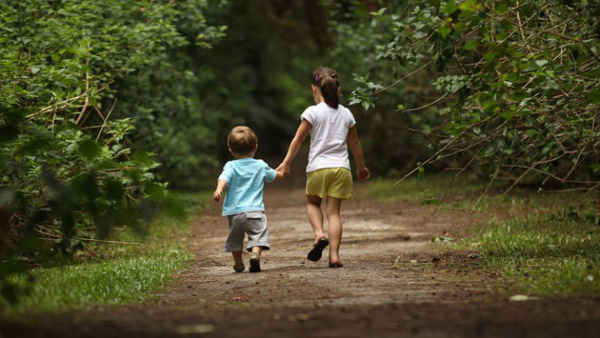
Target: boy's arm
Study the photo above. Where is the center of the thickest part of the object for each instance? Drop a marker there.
(221, 185)
(295, 145)
(357, 152)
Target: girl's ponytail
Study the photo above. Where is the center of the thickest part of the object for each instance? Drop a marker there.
(326, 80)
(329, 90)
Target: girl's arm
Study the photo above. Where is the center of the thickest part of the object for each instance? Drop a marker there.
(297, 141)
(356, 149)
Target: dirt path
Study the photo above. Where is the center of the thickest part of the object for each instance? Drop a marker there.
(380, 245)
(394, 283)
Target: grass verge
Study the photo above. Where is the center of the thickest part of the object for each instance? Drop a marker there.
(432, 190)
(113, 273)
(545, 243)
(544, 255)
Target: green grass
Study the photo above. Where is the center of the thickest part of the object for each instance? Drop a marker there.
(113, 273)
(548, 243)
(466, 193)
(545, 255)
(430, 190)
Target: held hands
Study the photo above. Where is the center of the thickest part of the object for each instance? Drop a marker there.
(280, 174)
(283, 169)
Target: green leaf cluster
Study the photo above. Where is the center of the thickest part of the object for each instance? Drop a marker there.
(512, 87)
(74, 159)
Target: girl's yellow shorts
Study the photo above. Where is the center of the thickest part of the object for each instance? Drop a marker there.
(332, 182)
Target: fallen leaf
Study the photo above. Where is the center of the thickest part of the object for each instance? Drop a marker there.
(442, 239)
(303, 316)
(195, 329)
(240, 299)
(521, 298)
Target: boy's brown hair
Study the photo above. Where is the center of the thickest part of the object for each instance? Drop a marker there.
(242, 140)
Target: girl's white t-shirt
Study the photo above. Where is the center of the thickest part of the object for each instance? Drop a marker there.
(330, 127)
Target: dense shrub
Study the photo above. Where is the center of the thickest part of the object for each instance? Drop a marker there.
(71, 164)
(516, 84)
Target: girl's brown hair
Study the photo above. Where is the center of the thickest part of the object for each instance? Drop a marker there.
(327, 80)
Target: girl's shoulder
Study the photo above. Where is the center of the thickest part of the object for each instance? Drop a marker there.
(344, 110)
(323, 111)
(310, 108)
(311, 113)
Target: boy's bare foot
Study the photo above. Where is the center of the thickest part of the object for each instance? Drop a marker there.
(335, 265)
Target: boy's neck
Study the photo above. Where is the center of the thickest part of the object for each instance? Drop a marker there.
(241, 157)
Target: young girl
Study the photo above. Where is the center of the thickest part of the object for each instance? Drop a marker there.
(328, 171)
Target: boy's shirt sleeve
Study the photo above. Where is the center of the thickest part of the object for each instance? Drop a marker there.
(270, 173)
(226, 173)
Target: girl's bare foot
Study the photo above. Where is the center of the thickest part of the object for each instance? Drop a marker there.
(317, 251)
(319, 236)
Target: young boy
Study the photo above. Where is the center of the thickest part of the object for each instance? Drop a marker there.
(244, 178)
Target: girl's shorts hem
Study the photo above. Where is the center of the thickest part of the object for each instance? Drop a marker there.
(330, 182)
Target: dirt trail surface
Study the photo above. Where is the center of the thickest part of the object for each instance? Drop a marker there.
(394, 283)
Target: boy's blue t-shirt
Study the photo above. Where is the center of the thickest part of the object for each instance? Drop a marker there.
(245, 181)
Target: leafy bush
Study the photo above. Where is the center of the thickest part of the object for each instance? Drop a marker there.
(124, 271)
(516, 82)
(69, 161)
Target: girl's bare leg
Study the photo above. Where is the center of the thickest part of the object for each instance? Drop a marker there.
(334, 227)
(315, 216)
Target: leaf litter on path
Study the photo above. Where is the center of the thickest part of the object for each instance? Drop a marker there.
(195, 329)
(522, 298)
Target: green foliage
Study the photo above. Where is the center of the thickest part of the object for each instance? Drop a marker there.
(74, 164)
(170, 101)
(121, 281)
(371, 55)
(516, 83)
(259, 74)
(122, 272)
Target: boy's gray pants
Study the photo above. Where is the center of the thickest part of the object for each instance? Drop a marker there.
(253, 223)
